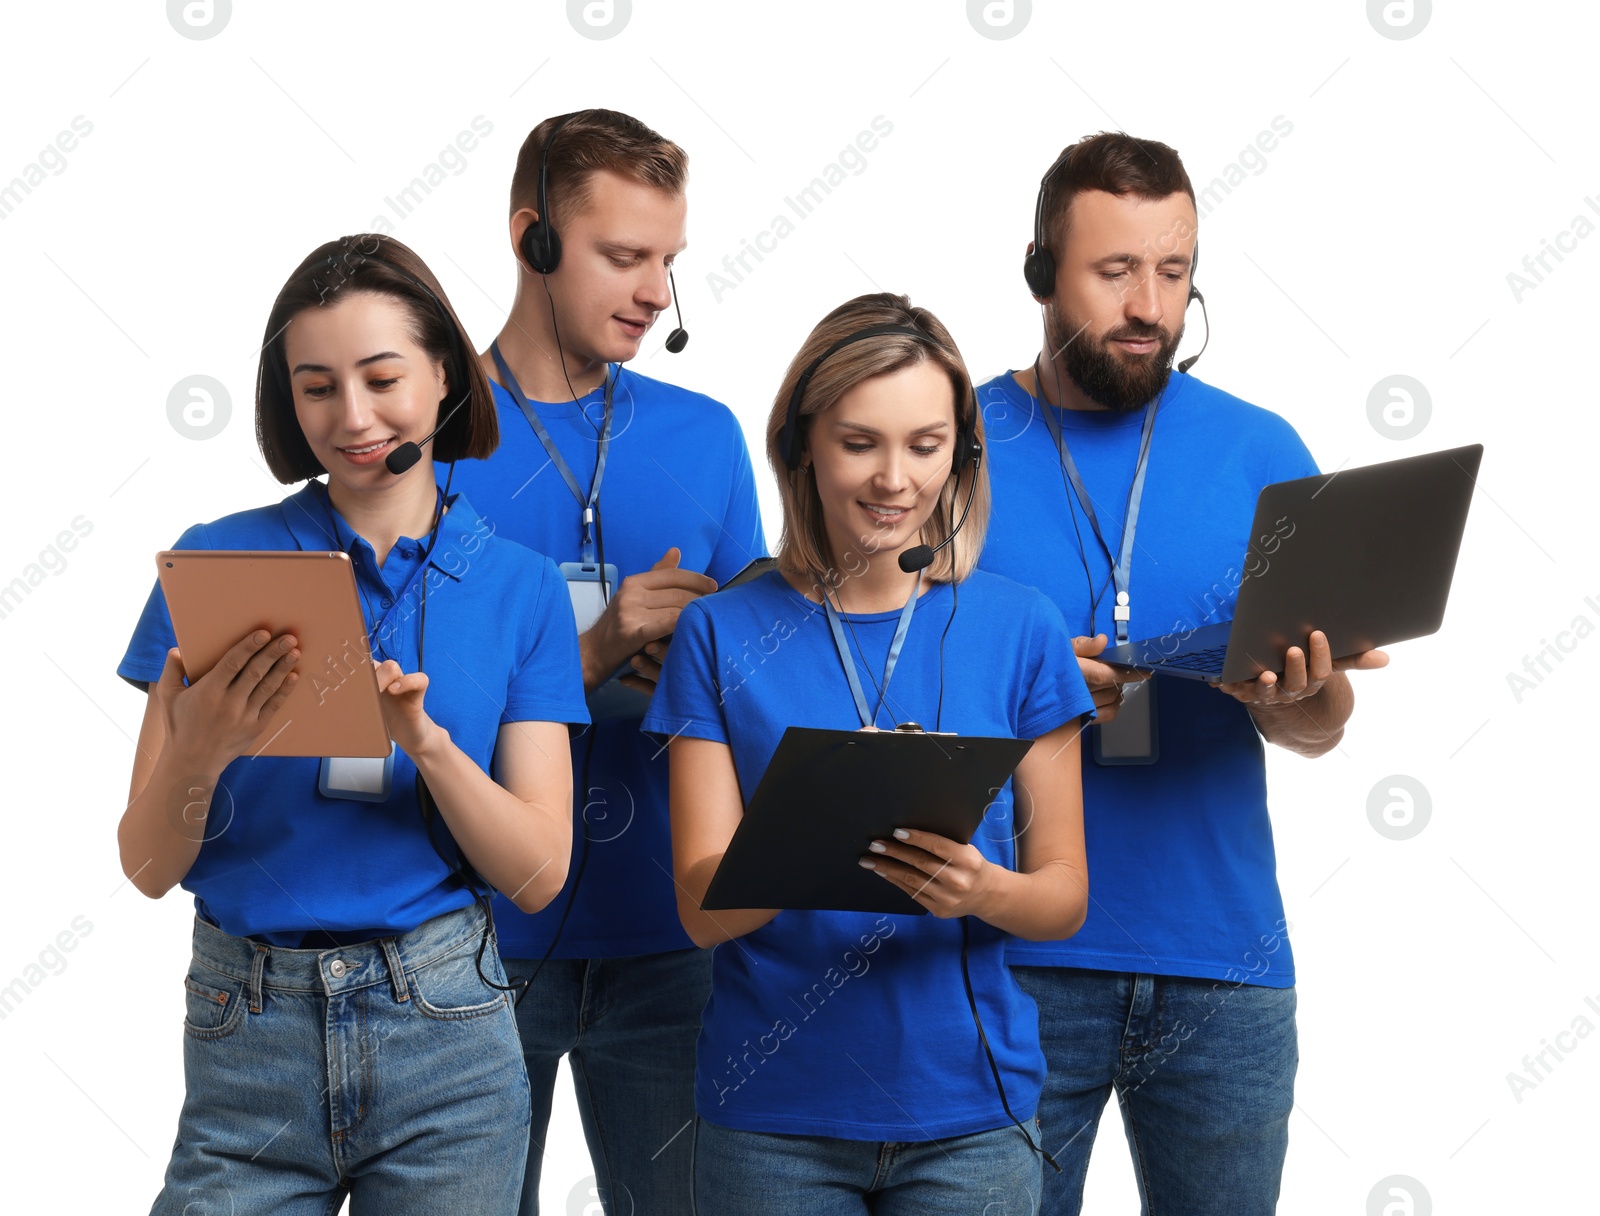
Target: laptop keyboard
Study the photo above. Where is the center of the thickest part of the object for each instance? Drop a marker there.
(1209, 660)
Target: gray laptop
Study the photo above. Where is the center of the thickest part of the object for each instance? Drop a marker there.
(1366, 555)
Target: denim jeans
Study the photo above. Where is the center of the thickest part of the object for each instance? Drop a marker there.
(387, 1071)
(628, 1028)
(1203, 1071)
(737, 1173)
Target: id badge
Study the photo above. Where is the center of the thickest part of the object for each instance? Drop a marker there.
(588, 596)
(1130, 737)
(361, 778)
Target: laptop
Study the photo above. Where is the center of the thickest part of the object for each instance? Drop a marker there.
(1366, 555)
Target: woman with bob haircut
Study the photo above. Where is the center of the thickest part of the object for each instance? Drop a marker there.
(349, 1029)
(855, 1062)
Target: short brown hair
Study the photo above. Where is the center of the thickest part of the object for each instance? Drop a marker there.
(380, 265)
(592, 140)
(1116, 163)
(803, 548)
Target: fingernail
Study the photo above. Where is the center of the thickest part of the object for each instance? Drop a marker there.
(877, 846)
(868, 864)
(901, 834)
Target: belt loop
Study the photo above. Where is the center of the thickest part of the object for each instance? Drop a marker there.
(397, 974)
(256, 967)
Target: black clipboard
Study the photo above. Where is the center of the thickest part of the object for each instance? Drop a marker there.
(828, 793)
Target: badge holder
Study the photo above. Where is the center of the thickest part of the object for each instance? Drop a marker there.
(359, 778)
(587, 593)
(1131, 737)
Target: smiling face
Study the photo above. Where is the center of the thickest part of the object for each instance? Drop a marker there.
(880, 456)
(362, 385)
(612, 283)
(1122, 285)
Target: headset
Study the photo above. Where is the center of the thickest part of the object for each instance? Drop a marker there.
(1039, 266)
(967, 447)
(541, 243)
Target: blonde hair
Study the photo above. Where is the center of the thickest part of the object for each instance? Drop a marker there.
(803, 547)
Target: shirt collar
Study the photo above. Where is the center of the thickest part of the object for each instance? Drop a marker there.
(309, 517)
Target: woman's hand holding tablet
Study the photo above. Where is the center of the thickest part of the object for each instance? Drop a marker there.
(212, 721)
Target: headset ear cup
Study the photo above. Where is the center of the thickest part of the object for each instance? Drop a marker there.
(1039, 269)
(541, 246)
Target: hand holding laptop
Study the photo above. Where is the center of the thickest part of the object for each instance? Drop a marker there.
(1105, 682)
(1304, 673)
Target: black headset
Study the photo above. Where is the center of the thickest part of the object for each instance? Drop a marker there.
(967, 446)
(1039, 267)
(541, 243)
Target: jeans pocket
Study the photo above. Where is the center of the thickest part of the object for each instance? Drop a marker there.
(210, 1012)
(451, 988)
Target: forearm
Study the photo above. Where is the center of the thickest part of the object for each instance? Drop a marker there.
(1312, 725)
(710, 928)
(522, 848)
(162, 828)
(1046, 904)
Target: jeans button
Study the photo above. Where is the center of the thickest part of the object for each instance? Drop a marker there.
(337, 968)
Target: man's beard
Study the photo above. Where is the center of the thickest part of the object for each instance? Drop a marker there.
(1104, 375)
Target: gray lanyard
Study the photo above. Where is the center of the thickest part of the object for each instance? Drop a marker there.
(1122, 566)
(586, 521)
(869, 719)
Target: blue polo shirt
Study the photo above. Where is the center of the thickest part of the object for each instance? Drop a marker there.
(677, 474)
(282, 860)
(849, 1024)
(1183, 876)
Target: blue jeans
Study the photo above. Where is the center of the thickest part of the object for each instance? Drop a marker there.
(386, 1071)
(628, 1028)
(1204, 1073)
(737, 1173)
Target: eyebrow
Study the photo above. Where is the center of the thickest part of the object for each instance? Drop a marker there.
(609, 247)
(317, 367)
(1133, 259)
(844, 424)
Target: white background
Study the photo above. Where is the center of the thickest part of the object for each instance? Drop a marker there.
(1375, 239)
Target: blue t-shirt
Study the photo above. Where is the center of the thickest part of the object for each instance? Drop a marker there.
(849, 1024)
(677, 474)
(1182, 873)
(281, 859)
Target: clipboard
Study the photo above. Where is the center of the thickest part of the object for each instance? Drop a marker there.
(216, 596)
(828, 793)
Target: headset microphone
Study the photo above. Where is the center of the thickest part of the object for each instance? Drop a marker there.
(678, 338)
(408, 453)
(920, 557)
(1194, 294)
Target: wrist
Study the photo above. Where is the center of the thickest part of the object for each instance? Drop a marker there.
(434, 743)
(592, 660)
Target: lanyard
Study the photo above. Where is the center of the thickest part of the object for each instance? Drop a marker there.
(586, 521)
(1122, 566)
(869, 720)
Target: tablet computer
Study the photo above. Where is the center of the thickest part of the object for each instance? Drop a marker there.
(827, 794)
(216, 597)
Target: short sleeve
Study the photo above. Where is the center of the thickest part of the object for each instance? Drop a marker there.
(742, 539)
(146, 655)
(1290, 458)
(1054, 692)
(547, 685)
(688, 697)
